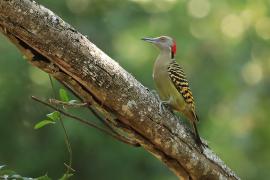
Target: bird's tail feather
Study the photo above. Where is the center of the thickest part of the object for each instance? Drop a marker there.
(197, 136)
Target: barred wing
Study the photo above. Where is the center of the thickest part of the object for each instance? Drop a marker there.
(180, 82)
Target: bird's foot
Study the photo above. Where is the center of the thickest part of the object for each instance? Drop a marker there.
(163, 105)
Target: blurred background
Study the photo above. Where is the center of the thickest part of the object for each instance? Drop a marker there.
(222, 45)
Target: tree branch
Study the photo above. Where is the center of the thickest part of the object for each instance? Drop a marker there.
(55, 47)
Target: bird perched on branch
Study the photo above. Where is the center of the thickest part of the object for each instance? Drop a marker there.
(171, 82)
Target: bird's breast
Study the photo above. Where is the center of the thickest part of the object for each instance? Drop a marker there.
(162, 83)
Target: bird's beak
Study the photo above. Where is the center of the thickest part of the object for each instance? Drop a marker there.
(151, 40)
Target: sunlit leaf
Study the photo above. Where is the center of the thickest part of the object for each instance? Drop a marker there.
(10, 174)
(7, 172)
(43, 123)
(63, 95)
(45, 177)
(54, 115)
(66, 176)
(2, 166)
(17, 177)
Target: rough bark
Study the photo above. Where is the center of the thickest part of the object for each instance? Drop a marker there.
(55, 47)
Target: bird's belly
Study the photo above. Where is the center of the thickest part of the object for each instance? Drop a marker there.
(168, 92)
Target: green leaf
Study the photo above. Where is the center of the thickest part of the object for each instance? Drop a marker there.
(43, 123)
(63, 95)
(2, 166)
(66, 176)
(10, 174)
(17, 177)
(54, 115)
(45, 177)
(7, 172)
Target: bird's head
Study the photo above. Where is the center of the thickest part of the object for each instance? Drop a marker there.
(164, 43)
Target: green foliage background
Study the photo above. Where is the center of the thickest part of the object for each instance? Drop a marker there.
(224, 48)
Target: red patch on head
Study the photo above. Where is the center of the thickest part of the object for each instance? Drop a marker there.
(173, 48)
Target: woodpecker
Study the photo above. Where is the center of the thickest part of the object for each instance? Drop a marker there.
(171, 83)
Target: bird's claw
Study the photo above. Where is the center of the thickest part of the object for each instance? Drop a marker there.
(161, 103)
(162, 106)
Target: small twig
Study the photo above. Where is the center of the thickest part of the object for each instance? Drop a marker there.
(67, 142)
(68, 167)
(107, 123)
(86, 122)
(62, 103)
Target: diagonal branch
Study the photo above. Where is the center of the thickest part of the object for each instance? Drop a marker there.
(55, 47)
